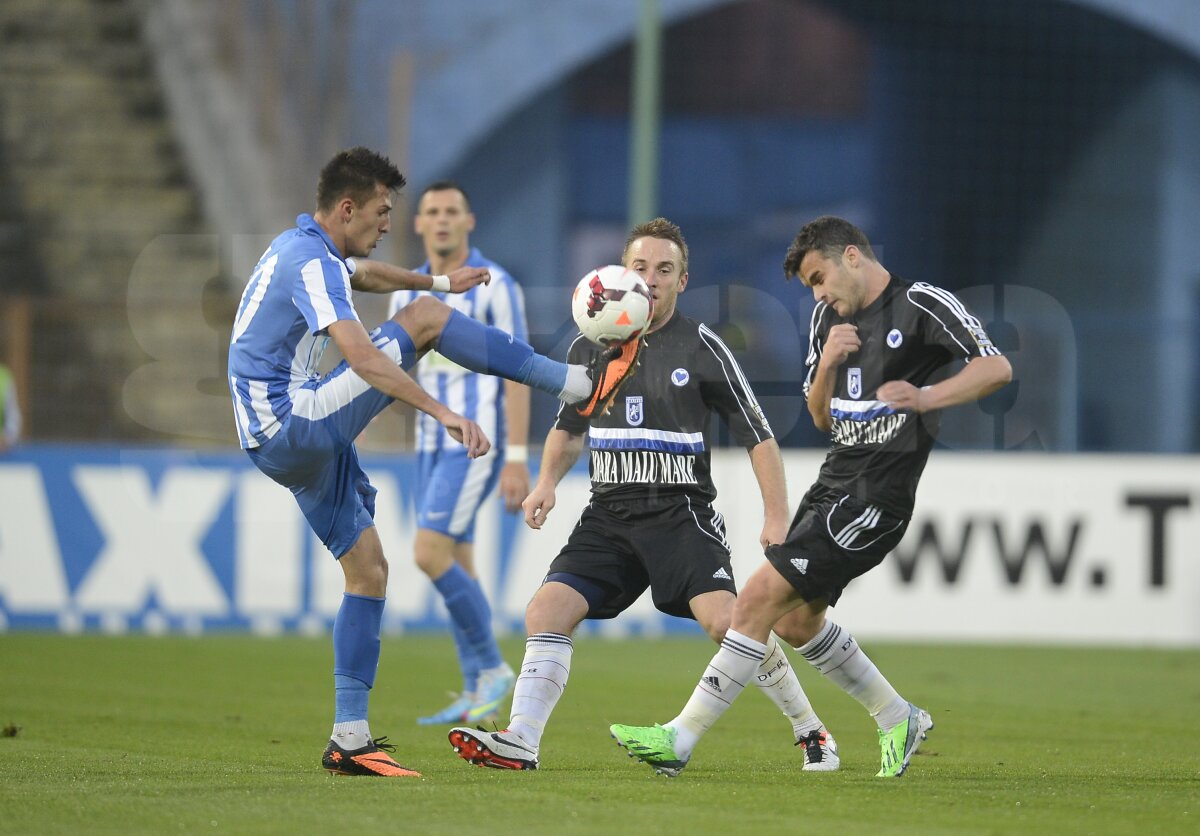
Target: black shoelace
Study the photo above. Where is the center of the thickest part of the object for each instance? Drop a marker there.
(811, 742)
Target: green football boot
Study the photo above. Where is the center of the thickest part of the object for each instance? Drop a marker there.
(898, 744)
(652, 745)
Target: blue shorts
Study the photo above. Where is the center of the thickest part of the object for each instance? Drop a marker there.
(451, 488)
(313, 453)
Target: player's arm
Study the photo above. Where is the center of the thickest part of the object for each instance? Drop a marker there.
(840, 344)
(977, 379)
(514, 476)
(381, 277)
(559, 455)
(377, 369)
(767, 463)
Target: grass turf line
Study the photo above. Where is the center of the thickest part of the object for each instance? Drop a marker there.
(224, 733)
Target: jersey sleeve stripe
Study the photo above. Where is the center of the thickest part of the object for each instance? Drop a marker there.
(814, 346)
(741, 389)
(960, 312)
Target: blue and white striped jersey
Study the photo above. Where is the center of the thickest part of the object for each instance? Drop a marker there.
(299, 288)
(479, 397)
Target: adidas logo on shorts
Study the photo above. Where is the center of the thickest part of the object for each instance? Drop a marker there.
(721, 573)
(801, 564)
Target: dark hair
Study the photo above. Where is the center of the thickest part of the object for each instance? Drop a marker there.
(827, 235)
(356, 173)
(659, 228)
(445, 186)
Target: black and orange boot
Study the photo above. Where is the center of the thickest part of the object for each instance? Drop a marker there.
(372, 759)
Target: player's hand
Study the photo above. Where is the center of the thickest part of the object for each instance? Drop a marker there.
(538, 506)
(468, 433)
(465, 278)
(900, 394)
(774, 532)
(841, 343)
(514, 485)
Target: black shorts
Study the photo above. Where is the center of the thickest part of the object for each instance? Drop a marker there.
(678, 550)
(834, 538)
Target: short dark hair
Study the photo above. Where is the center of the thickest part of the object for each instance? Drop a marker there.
(445, 186)
(659, 228)
(356, 173)
(827, 235)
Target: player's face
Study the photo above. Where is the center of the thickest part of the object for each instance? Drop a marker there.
(660, 263)
(444, 223)
(367, 224)
(836, 282)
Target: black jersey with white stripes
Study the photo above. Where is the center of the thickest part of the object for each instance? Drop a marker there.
(913, 332)
(655, 441)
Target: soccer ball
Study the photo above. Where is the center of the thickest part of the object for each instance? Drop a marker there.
(611, 305)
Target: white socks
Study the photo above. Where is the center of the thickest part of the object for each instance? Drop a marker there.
(836, 654)
(724, 678)
(353, 734)
(578, 386)
(543, 677)
(777, 679)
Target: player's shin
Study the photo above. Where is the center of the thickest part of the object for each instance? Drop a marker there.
(836, 654)
(355, 660)
(543, 677)
(777, 679)
(725, 677)
(489, 350)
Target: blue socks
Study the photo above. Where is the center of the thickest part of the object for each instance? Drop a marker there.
(471, 614)
(482, 348)
(355, 654)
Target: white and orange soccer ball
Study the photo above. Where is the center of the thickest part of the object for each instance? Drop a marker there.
(611, 305)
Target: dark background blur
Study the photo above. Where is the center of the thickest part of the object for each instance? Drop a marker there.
(1038, 157)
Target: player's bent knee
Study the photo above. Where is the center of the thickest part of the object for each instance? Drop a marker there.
(423, 319)
(555, 608)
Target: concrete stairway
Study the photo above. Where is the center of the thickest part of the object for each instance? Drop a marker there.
(131, 275)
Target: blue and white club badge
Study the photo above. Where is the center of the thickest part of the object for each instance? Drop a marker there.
(680, 377)
(854, 382)
(633, 410)
(894, 338)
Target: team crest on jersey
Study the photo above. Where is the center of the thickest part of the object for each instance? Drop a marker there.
(854, 382)
(680, 377)
(894, 338)
(633, 410)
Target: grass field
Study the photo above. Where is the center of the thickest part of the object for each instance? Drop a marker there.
(224, 734)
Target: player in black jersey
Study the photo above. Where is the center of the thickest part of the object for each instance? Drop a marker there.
(880, 351)
(651, 523)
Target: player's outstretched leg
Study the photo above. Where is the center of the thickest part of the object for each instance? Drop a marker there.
(489, 350)
(898, 744)
(499, 749)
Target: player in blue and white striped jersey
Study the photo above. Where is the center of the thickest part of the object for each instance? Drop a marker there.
(884, 358)
(451, 486)
(299, 427)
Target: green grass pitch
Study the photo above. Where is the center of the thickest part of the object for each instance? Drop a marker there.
(224, 734)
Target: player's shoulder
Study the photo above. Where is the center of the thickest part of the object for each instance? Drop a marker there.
(924, 294)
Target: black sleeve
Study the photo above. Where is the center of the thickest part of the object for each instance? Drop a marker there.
(948, 323)
(818, 331)
(580, 352)
(725, 389)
